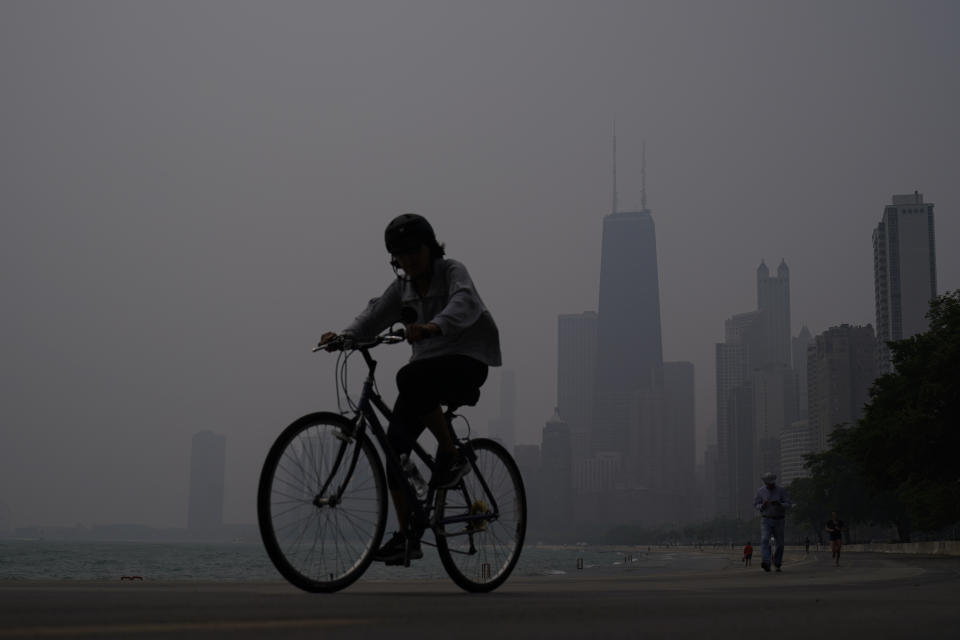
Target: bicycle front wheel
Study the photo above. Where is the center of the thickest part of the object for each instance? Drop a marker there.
(321, 516)
(481, 523)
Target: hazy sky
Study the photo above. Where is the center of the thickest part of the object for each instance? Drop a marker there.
(192, 192)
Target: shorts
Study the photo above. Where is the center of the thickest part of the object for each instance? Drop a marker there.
(835, 545)
(423, 386)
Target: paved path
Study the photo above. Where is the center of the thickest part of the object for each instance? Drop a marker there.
(871, 595)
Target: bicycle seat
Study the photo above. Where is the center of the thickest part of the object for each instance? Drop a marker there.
(467, 399)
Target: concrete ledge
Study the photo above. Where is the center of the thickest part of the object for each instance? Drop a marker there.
(934, 548)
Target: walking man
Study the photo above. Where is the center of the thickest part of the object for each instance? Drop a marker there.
(772, 503)
(835, 529)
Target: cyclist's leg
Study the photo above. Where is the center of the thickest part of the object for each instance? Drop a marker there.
(420, 384)
(429, 382)
(402, 433)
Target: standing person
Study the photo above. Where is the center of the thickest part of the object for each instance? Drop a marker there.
(835, 529)
(454, 340)
(772, 503)
(806, 545)
(747, 554)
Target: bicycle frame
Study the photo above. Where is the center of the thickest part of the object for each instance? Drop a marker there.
(365, 416)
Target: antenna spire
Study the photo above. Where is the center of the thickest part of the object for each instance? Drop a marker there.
(643, 177)
(614, 208)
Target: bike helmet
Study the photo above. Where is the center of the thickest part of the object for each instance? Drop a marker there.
(408, 231)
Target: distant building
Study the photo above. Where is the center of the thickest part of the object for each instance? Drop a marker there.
(904, 271)
(756, 392)
(796, 441)
(800, 344)
(736, 358)
(629, 350)
(841, 368)
(207, 471)
(556, 477)
(774, 410)
(576, 375)
(773, 301)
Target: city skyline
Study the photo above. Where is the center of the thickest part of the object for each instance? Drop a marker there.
(904, 271)
(185, 213)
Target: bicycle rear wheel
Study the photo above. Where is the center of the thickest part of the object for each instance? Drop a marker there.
(479, 554)
(318, 538)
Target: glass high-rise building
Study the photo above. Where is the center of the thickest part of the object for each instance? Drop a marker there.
(629, 352)
(773, 300)
(904, 271)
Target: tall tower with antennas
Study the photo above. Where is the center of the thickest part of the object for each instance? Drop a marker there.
(629, 352)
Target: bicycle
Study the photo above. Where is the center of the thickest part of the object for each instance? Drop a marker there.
(322, 498)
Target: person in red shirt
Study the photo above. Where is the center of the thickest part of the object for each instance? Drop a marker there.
(747, 554)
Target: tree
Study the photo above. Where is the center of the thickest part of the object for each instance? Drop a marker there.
(837, 483)
(908, 442)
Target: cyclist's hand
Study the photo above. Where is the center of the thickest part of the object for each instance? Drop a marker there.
(326, 338)
(418, 332)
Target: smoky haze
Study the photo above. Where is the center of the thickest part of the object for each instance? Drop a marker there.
(193, 192)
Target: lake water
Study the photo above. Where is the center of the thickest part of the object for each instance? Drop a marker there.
(247, 561)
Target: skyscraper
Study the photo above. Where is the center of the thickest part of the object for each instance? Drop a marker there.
(207, 469)
(774, 410)
(841, 367)
(796, 441)
(576, 375)
(773, 301)
(736, 358)
(629, 351)
(756, 391)
(904, 271)
(800, 344)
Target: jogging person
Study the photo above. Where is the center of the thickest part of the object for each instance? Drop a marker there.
(835, 529)
(454, 340)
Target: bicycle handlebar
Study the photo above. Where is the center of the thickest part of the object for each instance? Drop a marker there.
(348, 343)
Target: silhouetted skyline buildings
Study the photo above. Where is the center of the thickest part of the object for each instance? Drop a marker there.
(904, 271)
(622, 434)
(773, 407)
(756, 391)
(622, 438)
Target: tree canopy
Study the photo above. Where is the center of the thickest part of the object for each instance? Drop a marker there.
(901, 462)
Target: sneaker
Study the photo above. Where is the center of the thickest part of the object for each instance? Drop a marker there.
(393, 551)
(778, 568)
(449, 471)
(766, 567)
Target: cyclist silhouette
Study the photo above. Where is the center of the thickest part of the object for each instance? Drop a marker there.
(454, 340)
